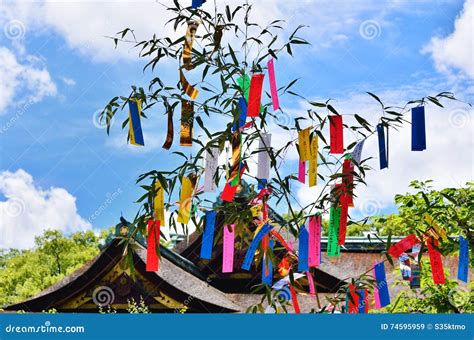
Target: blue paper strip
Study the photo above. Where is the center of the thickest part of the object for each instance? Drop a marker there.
(135, 121)
(242, 113)
(268, 279)
(382, 284)
(383, 150)
(208, 235)
(262, 183)
(253, 246)
(463, 264)
(418, 129)
(303, 250)
(197, 3)
(361, 306)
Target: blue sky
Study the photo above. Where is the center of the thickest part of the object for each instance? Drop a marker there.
(59, 170)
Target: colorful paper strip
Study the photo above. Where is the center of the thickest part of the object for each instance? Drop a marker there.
(253, 246)
(135, 126)
(210, 170)
(208, 235)
(382, 287)
(435, 261)
(314, 251)
(273, 87)
(357, 152)
(383, 146)
(267, 266)
(159, 204)
(304, 144)
(187, 118)
(303, 250)
(153, 246)
(188, 41)
(185, 200)
(313, 162)
(294, 300)
(333, 249)
(336, 134)
(187, 87)
(418, 130)
(406, 243)
(255, 95)
(264, 143)
(463, 264)
(228, 249)
(301, 171)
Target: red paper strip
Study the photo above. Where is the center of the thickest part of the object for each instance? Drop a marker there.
(348, 180)
(152, 243)
(294, 299)
(353, 300)
(255, 95)
(398, 248)
(229, 192)
(436, 261)
(281, 240)
(312, 290)
(336, 134)
(343, 220)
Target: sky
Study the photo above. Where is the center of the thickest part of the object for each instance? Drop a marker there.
(59, 169)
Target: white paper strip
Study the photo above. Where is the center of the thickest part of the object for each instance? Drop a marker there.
(263, 171)
(357, 152)
(212, 156)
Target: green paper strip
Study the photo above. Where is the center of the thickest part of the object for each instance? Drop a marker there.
(333, 248)
(244, 84)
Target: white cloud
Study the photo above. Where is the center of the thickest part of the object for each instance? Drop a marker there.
(28, 210)
(23, 81)
(68, 81)
(456, 50)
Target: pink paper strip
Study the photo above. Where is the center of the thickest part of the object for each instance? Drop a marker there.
(228, 256)
(312, 291)
(376, 295)
(273, 87)
(314, 251)
(301, 171)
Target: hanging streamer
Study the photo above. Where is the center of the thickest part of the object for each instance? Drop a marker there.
(344, 206)
(236, 155)
(304, 144)
(352, 300)
(253, 246)
(312, 289)
(135, 126)
(436, 261)
(406, 243)
(255, 95)
(418, 130)
(294, 299)
(228, 249)
(242, 113)
(197, 3)
(159, 204)
(273, 87)
(463, 264)
(313, 162)
(185, 200)
(303, 250)
(187, 117)
(357, 152)
(267, 266)
(188, 42)
(153, 246)
(405, 268)
(210, 170)
(170, 131)
(208, 235)
(415, 276)
(336, 134)
(363, 301)
(187, 87)
(314, 251)
(263, 170)
(348, 180)
(230, 190)
(333, 249)
(301, 171)
(383, 146)
(381, 282)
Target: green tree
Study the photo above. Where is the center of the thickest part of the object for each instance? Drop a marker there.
(25, 273)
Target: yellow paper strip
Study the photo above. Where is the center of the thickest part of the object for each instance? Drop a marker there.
(313, 162)
(440, 231)
(158, 204)
(304, 144)
(187, 118)
(187, 87)
(185, 200)
(188, 44)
